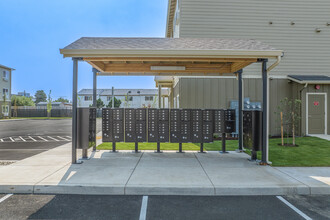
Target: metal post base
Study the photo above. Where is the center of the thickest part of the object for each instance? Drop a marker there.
(136, 148)
(158, 149)
(202, 149)
(180, 148)
(223, 144)
(84, 154)
(113, 148)
(79, 161)
(239, 151)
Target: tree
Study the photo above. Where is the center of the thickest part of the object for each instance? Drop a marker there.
(62, 100)
(40, 96)
(289, 111)
(21, 101)
(99, 103)
(49, 104)
(117, 103)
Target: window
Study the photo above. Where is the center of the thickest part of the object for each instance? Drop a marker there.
(5, 75)
(149, 98)
(130, 98)
(88, 98)
(6, 93)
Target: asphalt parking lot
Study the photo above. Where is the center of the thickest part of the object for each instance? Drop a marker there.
(162, 207)
(20, 139)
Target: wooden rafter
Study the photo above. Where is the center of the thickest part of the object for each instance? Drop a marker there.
(238, 66)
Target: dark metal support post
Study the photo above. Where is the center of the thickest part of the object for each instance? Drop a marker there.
(136, 148)
(114, 147)
(74, 110)
(264, 159)
(158, 148)
(94, 96)
(180, 148)
(223, 140)
(201, 148)
(240, 110)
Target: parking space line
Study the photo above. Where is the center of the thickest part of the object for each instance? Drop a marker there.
(52, 138)
(68, 137)
(5, 197)
(42, 138)
(294, 208)
(144, 205)
(11, 139)
(32, 138)
(1, 140)
(22, 139)
(63, 138)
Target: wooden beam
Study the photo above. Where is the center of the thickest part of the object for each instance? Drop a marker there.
(99, 65)
(238, 66)
(170, 59)
(205, 68)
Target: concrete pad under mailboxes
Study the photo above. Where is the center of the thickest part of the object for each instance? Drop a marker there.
(169, 160)
(169, 177)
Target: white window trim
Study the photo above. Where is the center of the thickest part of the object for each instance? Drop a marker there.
(325, 109)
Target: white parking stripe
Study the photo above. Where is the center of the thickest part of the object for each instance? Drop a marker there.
(32, 138)
(63, 138)
(11, 139)
(52, 138)
(68, 137)
(1, 140)
(5, 197)
(143, 212)
(294, 208)
(42, 138)
(22, 139)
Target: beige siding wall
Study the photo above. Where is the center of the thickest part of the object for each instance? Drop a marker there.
(218, 92)
(306, 52)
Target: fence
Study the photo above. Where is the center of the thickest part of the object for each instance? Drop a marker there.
(42, 112)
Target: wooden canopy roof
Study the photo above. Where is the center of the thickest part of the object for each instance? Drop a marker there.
(169, 56)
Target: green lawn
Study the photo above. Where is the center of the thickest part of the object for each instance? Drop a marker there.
(312, 151)
(215, 146)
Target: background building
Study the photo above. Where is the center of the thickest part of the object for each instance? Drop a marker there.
(130, 98)
(5, 90)
(300, 28)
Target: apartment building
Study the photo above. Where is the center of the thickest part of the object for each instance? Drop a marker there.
(130, 98)
(5, 90)
(301, 28)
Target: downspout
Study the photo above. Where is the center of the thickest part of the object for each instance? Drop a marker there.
(300, 96)
(274, 64)
(267, 71)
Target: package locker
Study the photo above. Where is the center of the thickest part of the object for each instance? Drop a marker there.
(252, 129)
(86, 128)
(230, 121)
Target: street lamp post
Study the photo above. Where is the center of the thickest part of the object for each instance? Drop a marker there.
(140, 98)
(127, 98)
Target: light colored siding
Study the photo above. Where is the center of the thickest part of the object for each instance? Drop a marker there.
(218, 92)
(306, 52)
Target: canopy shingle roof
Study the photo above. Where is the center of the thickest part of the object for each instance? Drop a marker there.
(108, 43)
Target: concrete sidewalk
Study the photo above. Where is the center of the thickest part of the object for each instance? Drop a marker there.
(148, 173)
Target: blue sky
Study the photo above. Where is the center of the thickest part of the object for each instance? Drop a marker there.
(33, 31)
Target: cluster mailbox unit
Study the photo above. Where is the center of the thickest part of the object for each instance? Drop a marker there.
(165, 125)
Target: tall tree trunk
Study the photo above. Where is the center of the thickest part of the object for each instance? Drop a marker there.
(293, 130)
